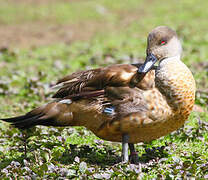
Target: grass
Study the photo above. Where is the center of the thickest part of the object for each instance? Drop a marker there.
(63, 152)
(62, 12)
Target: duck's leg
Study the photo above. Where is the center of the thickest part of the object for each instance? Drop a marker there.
(125, 139)
(133, 154)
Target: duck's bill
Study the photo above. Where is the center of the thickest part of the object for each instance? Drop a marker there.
(148, 64)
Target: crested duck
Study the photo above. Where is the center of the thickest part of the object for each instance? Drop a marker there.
(126, 103)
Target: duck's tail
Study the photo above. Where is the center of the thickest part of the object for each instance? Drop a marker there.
(52, 114)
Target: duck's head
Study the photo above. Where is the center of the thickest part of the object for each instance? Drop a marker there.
(162, 43)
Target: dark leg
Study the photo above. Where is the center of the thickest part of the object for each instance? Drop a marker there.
(133, 154)
(125, 139)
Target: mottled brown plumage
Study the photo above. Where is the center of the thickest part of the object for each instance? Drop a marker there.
(119, 75)
(119, 100)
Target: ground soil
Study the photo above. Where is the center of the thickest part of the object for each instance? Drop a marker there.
(37, 33)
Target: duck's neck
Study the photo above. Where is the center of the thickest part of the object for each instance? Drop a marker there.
(170, 60)
(175, 81)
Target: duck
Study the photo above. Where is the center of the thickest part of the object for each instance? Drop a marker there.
(127, 103)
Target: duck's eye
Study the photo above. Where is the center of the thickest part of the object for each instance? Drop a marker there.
(163, 42)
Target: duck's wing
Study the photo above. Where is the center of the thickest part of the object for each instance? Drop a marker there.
(108, 87)
(94, 82)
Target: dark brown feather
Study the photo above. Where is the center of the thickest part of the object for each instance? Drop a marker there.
(124, 75)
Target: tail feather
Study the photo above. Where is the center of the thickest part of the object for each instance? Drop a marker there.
(14, 119)
(52, 114)
(23, 122)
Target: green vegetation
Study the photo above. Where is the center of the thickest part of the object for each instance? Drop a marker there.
(122, 26)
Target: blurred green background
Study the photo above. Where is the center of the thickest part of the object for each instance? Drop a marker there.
(43, 40)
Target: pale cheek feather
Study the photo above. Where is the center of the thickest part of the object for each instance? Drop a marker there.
(66, 101)
(126, 76)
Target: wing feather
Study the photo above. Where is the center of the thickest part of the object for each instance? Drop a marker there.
(80, 83)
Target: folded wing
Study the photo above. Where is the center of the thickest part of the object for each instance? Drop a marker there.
(94, 82)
